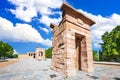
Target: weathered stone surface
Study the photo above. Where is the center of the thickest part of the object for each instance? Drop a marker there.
(72, 43)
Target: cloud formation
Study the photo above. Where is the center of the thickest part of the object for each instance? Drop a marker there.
(20, 33)
(27, 9)
(44, 29)
(47, 20)
(15, 52)
(102, 25)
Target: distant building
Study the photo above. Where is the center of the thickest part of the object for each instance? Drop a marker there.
(23, 56)
(31, 54)
(39, 54)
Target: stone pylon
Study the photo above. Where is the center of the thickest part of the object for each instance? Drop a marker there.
(72, 42)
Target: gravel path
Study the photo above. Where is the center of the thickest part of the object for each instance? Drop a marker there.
(30, 69)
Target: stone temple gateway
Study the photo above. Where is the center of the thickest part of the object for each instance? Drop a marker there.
(72, 43)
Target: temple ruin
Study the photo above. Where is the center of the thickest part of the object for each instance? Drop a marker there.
(31, 54)
(39, 54)
(72, 42)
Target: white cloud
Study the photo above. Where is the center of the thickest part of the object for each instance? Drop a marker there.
(27, 9)
(44, 29)
(15, 52)
(47, 42)
(102, 25)
(20, 32)
(43, 6)
(47, 20)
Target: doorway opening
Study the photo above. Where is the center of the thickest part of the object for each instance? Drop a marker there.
(34, 55)
(78, 47)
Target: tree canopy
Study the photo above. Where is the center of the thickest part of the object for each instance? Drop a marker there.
(95, 56)
(5, 50)
(111, 45)
(48, 53)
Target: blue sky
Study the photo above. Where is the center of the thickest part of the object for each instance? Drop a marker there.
(24, 24)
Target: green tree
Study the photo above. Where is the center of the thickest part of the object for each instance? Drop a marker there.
(15, 56)
(111, 45)
(100, 55)
(95, 56)
(48, 53)
(5, 50)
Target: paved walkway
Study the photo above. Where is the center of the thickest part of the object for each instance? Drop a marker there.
(29, 69)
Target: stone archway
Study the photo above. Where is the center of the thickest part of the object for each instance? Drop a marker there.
(72, 43)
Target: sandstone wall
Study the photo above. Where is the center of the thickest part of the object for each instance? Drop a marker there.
(23, 56)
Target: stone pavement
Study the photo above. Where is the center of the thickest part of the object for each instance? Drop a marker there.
(30, 69)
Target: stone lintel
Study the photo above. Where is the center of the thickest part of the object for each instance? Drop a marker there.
(67, 9)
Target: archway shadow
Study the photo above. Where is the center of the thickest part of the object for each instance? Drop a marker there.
(116, 78)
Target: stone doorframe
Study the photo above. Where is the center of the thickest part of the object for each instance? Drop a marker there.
(72, 42)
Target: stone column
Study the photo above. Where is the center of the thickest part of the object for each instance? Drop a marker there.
(70, 49)
(84, 65)
(89, 54)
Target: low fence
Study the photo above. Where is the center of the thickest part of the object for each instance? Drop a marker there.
(107, 63)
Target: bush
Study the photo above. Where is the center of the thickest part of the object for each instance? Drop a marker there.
(95, 56)
(15, 55)
(48, 53)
